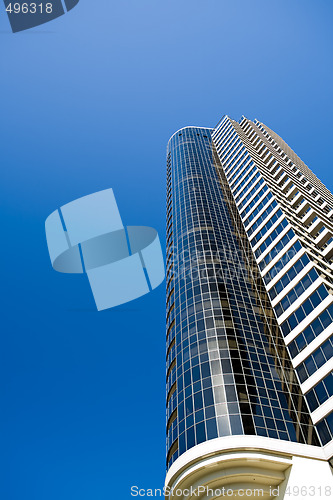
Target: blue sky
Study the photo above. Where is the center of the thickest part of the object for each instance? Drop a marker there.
(88, 102)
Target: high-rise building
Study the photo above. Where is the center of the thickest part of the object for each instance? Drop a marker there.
(249, 316)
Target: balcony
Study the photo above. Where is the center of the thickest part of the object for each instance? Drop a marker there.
(322, 236)
(314, 226)
(327, 251)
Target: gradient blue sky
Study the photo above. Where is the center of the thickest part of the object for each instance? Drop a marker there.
(89, 101)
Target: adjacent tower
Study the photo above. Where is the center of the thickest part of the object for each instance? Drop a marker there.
(249, 312)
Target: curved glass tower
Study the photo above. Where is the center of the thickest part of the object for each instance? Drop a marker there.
(229, 370)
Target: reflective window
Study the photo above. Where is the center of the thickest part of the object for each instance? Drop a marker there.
(257, 210)
(320, 393)
(266, 227)
(289, 276)
(271, 237)
(277, 249)
(304, 310)
(316, 360)
(261, 219)
(248, 185)
(251, 193)
(254, 201)
(296, 292)
(317, 326)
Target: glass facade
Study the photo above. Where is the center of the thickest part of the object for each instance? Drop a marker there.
(228, 369)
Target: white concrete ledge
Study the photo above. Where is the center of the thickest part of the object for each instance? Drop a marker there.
(247, 463)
